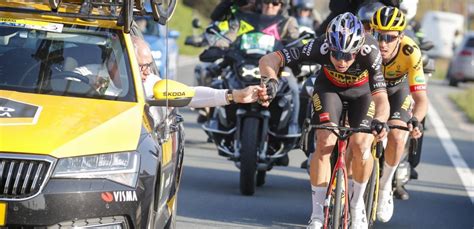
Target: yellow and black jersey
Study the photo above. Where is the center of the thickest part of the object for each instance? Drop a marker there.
(407, 64)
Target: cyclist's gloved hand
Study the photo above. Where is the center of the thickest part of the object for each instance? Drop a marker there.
(415, 128)
(379, 129)
(272, 86)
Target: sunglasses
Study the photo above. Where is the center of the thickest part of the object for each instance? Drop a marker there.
(385, 37)
(338, 55)
(144, 67)
(273, 2)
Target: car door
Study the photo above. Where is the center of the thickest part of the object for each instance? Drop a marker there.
(167, 127)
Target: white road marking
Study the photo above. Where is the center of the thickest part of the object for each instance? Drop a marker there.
(459, 163)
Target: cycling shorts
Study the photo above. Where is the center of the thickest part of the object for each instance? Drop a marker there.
(400, 101)
(328, 100)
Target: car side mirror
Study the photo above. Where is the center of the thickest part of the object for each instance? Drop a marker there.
(171, 93)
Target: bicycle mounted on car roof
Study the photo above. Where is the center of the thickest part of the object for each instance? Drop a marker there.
(120, 10)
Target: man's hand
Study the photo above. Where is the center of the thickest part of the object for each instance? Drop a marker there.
(414, 127)
(270, 87)
(379, 129)
(247, 95)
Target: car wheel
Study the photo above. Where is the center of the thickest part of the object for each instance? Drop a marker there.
(453, 82)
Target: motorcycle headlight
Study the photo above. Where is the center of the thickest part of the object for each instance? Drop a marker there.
(249, 72)
(119, 167)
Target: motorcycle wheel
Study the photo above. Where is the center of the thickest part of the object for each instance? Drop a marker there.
(248, 155)
(261, 178)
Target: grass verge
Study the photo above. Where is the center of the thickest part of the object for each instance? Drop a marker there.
(181, 21)
(464, 101)
(441, 69)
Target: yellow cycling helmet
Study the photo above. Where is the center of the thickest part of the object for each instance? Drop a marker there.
(389, 18)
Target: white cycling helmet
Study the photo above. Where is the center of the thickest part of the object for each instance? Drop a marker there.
(345, 33)
(409, 7)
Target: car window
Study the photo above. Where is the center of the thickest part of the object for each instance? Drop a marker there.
(149, 27)
(470, 43)
(68, 60)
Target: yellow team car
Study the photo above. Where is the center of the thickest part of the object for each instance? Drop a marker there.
(80, 144)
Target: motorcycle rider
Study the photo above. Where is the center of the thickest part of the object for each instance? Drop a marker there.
(351, 72)
(223, 10)
(287, 31)
(403, 72)
(305, 13)
(366, 11)
(340, 6)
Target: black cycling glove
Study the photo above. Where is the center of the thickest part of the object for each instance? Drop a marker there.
(415, 123)
(378, 126)
(272, 87)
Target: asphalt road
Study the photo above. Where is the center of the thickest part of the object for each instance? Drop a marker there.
(209, 194)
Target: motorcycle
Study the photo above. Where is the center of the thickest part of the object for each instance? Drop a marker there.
(254, 137)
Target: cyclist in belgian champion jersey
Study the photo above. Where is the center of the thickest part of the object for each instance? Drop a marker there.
(403, 71)
(351, 72)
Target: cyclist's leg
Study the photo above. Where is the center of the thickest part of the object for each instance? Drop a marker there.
(361, 111)
(400, 103)
(327, 107)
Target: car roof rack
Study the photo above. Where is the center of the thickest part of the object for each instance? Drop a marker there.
(120, 10)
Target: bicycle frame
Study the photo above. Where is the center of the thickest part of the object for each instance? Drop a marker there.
(339, 173)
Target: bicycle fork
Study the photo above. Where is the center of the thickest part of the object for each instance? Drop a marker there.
(337, 193)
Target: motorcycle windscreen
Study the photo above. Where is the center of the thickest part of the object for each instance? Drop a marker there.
(257, 43)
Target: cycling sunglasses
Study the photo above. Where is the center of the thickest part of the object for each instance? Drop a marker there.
(338, 55)
(385, 37)
(273, 2)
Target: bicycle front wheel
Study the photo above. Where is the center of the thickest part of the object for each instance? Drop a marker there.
(370, 196)
(337, 210)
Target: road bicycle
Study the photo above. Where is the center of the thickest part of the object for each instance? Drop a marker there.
(372, 190)
(336, 205)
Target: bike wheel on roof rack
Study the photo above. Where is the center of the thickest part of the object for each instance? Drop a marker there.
(54, 4)
(159, 13)
(139, 5)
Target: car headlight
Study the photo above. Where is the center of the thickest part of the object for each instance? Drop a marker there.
(249, 72)
(119, 167)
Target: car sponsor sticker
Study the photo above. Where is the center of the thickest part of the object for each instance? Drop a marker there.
(18, 113)
(119, 196)
(29, 24)
(3, 213)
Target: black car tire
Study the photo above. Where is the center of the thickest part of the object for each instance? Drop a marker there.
(453, 82)
(261, 178)
(248, 155)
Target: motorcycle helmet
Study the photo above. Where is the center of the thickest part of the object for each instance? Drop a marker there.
(389, 18)
(304, 4)
(409, 7)
(367, 11)
(345, 33)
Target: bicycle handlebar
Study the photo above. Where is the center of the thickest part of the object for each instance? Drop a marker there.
(398, 127)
